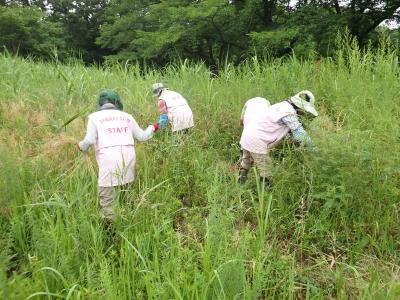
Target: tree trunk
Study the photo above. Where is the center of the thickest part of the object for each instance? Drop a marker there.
(363, 23)
(268, 11)
(337, 7)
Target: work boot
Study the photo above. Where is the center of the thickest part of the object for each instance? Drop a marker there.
(242, 175)
(264, 182)
(108, 224)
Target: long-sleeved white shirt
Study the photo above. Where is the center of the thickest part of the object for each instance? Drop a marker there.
(91, 135)
(113, 133)
(91, 131)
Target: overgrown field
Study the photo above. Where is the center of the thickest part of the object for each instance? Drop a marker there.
(329, 228)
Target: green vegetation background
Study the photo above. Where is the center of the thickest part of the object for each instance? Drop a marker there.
(329, 228)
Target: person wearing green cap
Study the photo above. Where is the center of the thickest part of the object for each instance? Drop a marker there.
(112, 132)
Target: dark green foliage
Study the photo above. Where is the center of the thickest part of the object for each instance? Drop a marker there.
(213, 31)
(26, 31)
(217, 32)
(81, 22)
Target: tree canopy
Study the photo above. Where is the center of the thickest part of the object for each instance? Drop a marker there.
(213, 31)
(24, 30)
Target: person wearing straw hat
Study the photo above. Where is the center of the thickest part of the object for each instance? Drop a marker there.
(112, 133)
(265, 125)
(174, 109)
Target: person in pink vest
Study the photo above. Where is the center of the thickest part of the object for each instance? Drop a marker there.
(265, 125)
(112, 133)
(174, 109)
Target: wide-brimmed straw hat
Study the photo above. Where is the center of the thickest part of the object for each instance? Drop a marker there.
(306, 104)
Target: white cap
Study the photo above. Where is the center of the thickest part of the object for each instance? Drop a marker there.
(157, 88)
(304, 104)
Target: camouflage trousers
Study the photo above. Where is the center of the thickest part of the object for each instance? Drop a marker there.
(109, 196)
(263, 163)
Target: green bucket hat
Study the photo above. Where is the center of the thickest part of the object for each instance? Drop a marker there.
(110, 96)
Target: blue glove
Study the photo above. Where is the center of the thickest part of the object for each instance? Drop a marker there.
(163, 121)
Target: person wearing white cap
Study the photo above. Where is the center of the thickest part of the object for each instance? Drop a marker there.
(174, 109)
(265, 125)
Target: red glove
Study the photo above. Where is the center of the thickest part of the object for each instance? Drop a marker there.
(156, 127)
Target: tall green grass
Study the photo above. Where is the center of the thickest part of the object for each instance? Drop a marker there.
(329, 228)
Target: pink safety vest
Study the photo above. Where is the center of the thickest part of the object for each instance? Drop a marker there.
(255, 109)
(114, 128)
(179, 112)
(263, 131)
